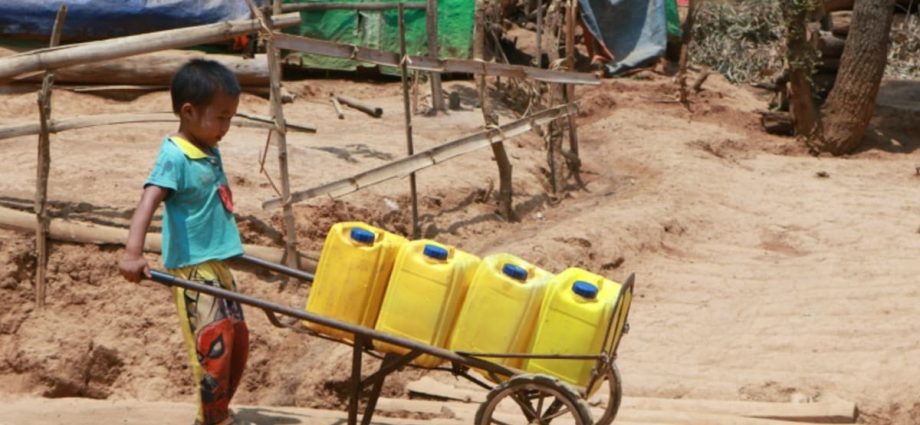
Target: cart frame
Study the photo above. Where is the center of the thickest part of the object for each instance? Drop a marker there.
(364, 339)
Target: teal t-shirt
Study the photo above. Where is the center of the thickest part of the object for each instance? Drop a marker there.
(197, 226)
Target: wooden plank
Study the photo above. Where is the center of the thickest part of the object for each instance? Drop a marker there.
(71, 231)
(840, 22)
(378, 57)
(427, 158)
(57, 126)
(96, 51)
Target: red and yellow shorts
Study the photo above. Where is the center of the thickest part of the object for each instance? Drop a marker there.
(216, 337)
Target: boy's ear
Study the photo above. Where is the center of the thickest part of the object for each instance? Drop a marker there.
(187, 110)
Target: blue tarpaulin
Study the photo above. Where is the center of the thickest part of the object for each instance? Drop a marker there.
(97, 19)
(635, 31)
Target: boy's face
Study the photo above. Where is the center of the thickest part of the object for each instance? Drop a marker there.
(209, 123)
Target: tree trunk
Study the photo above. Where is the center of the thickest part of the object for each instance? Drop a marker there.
(850, 105)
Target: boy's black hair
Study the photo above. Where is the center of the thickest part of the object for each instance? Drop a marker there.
(199, 80)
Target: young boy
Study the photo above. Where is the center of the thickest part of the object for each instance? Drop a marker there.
(199, 232)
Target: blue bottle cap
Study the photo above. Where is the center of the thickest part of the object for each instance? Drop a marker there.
(514, 272)
(585, 289)
(363, 236)
(434, 251)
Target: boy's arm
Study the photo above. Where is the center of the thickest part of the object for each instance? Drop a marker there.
(132, 263)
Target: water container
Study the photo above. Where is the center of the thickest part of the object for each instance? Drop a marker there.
(573, 319)
(352, 274)
(426, 289)
(500, 308)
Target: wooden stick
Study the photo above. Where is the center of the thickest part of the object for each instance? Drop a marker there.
(422, 63)
(685, 53)
(410, 146)
(280, 133)
(338, 107)
(301, 7)
(96, 51)
(374, 111)
(71, 231)
(431, 25)
(573, 160)
(43, 167)
(59, 125)
(428, 158)
(490, 120)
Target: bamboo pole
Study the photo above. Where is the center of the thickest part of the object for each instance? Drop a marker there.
(43, 167)
(572, 159)
(431, 25)
(77, 232)
(428, 158)
(57, 126)
(280, 135)
(410, 146)
(96, 51)
(423, 63)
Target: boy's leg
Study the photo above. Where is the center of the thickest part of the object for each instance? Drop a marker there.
(216, 337)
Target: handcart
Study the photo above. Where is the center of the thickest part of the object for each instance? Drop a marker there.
(519, 397)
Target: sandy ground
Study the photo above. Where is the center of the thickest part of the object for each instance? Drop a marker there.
(762, 273)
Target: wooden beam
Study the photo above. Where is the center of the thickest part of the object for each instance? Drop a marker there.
(59, 125)
(77, 232)
(374, 111)
(96, 51)
(43, 167)
(836, 5)
(444, 66)
(427, 158)
(313, 7)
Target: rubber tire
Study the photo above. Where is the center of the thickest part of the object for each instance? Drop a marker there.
(546, 384)
(615, 382)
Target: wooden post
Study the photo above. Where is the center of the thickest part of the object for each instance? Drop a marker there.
(684, 54)
(431, 25)
(337, 106)
(572, 158)
(280, 134)
(505, 206)
(410, 147)
(43, 166)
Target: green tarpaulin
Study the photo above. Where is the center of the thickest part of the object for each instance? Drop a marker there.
(673, 17)
(380, 30)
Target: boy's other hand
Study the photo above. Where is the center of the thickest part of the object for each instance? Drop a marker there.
(133, 268)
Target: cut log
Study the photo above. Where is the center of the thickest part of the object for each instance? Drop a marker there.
(71, 231)
(830, 45)
(840, 22)
(157, 69)
(837, 5)
(76, 54)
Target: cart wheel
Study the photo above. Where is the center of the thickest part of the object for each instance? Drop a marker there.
(541, 399)
(615, 385)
